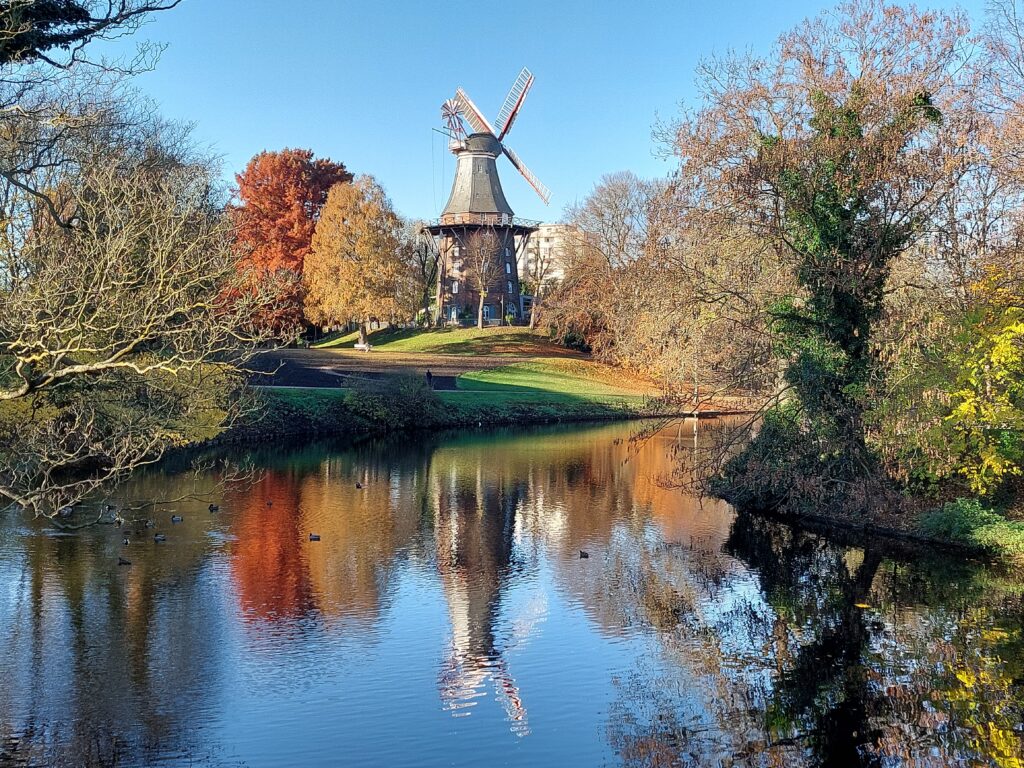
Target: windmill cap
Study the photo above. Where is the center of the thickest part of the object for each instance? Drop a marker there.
(483, 142)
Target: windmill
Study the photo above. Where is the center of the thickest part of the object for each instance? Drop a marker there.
(461, 107)
(477, 203)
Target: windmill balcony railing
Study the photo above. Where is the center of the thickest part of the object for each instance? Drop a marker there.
(483, 219)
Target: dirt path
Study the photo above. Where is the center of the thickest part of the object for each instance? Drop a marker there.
(334, 368)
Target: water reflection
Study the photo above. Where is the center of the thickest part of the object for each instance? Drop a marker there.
(446, 617)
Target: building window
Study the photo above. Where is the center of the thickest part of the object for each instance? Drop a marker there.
(509, 284)
(507, 253)
(508, 268)
(455, 286)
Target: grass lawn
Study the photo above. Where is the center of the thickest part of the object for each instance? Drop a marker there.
(578, 379)
(496, 340)
(550, 383)
(549, 388)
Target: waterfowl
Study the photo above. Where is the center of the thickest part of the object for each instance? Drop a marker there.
(122, 561)
(314, 537)
(159, 537)
(149, 523)
(215, 508)
(270, 503)
(126, 541)
(176, 518)
(359, 485)
(584, 555)
(66, 511)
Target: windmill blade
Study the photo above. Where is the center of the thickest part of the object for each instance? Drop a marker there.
(513, 102)
(537, 184)
(473, 115)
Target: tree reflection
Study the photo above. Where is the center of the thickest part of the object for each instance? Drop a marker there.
(823, 691)
(94, 670)
(269, 563)
(749, 642)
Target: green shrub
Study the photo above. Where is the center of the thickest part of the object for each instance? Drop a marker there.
(399, 402)
(966, 521)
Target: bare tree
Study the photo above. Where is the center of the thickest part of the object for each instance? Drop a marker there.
(424, 262)
(53, 94)
(482, 265)
(121, 334)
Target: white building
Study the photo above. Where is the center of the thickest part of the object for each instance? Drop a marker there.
(546, 253)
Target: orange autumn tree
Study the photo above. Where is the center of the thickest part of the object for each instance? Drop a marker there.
(280, 195)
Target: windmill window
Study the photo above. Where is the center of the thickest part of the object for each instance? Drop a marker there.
(455, 286)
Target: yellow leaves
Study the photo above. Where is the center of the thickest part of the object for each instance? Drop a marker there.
(354, 270)
(986, 417)
(995, 635)
(1003, 745)
(967, 677)
(999, 287)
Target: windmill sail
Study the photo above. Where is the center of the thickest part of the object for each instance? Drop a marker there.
(513, 102)
(472, 115)
(537, 184)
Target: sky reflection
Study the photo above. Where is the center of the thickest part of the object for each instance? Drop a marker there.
(445, 617)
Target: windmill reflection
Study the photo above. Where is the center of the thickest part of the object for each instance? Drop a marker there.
(474, 528)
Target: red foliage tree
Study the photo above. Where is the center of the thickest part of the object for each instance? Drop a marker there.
(280, 195)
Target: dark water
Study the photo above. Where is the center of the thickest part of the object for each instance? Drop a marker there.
(446, 619)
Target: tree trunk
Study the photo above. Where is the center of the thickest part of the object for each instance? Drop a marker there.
(533, 313)
(480, 312)
(362, 333)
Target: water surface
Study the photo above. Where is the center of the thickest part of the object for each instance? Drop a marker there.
(446, 618)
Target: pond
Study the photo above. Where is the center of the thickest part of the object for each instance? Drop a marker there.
(448, 616)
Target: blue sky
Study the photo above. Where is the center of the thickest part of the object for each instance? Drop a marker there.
(362, 82)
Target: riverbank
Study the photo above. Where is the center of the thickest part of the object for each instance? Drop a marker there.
(404, 403)
(441, 378)
(963, 525)
(514, 376)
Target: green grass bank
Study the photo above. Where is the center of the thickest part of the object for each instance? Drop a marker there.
(523, 393)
